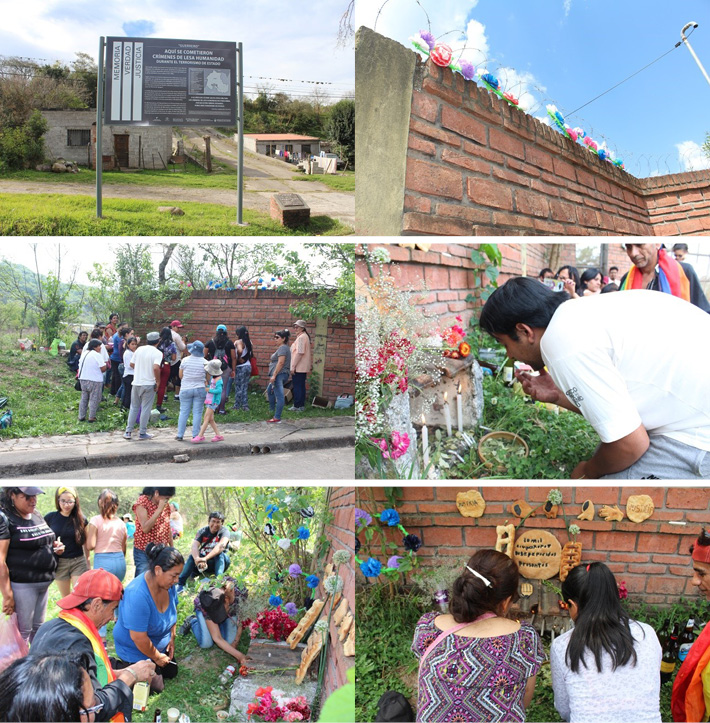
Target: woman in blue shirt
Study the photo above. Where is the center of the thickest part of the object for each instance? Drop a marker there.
(147, 615)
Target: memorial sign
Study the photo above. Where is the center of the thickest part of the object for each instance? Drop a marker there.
(538, 554)
(639, 507)
(153, 81)
(471, 503)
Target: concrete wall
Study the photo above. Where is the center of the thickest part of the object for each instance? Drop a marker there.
(340, 534)
(262, 312)
(651, 557)
(477, 166)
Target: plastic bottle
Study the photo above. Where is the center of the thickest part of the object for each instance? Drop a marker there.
(686, 640)
(227, 675)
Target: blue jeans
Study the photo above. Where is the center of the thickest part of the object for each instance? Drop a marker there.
(191, 399)
(113, 562)
(226, 388)
(217, 565)
(140, 560)
(275, 393)
(228, 630)
(299, 389)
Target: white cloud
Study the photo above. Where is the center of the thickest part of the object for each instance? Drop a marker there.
(568, 7)
(692, 157)
(56, 29)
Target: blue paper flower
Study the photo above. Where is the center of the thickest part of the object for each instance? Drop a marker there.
(391, 517)
(270, 509)
(603, 154)
(371, 568)
(275, 600)
(411, 543)
(312, 581)
(303, 533)
(491, 80)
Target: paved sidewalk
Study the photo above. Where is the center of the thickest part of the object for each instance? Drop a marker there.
(45, 455)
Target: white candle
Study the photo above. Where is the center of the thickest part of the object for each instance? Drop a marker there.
(425, 443)
(447, 415)
(459, 409)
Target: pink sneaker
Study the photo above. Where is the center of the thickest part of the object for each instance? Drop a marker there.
(197, 440)
(217, 438)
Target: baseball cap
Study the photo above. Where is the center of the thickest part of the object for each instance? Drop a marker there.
(31, 491)
(221, 327)
(152, 336)
(197, 348)
(176, 323)
(93, 583)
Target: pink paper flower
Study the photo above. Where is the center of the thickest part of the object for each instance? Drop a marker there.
(442, 55)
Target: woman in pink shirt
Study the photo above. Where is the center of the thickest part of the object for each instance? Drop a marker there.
(301, 364)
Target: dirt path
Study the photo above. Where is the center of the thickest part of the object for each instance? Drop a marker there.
(270, 176)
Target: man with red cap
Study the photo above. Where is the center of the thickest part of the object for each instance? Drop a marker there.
(691, 689)
(90, 605)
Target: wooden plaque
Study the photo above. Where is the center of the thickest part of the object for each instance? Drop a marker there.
(471, 503)
(538, 554)
(639, 508)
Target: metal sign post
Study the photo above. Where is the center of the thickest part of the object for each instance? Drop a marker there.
(240, 135)
(99, 127)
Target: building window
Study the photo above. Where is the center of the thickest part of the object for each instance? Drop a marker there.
(306, 149)
(79, 137)
(288, 147)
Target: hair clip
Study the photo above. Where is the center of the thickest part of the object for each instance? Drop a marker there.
(479, 576)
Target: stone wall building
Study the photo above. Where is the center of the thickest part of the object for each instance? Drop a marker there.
(72, 136)
(274, 144)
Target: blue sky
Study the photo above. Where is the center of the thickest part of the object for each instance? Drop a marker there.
(566, 52)
(282, 39)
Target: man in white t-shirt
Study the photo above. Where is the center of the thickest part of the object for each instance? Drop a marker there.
(634, 365)
(146, 378)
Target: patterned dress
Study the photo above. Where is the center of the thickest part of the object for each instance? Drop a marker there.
(474, 679)
(160, 532)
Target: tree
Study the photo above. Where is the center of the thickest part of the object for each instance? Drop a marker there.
(48, 295)
(236, 264)
(325, 276)
(341, 129)
(706, 145)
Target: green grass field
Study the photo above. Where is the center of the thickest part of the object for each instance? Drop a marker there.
(44, 402)
(342, 182)
(62, 215)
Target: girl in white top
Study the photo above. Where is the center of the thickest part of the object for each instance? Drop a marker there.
(606, 667)
(128, 371)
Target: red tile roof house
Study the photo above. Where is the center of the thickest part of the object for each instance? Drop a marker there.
(269, 144)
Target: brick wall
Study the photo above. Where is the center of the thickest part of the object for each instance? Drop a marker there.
(263, 313)
(477, 166)
(449, 273)
(651, 557)
(340, 534)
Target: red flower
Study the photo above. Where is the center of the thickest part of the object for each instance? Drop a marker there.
(442, 55)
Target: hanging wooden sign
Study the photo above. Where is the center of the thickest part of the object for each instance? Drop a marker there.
(471, 503)
(538, 554)
(639, 508)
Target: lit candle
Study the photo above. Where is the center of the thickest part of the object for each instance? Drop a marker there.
(459, 409)
(447, 415)
(425, 443)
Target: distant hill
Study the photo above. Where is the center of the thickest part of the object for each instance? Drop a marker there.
(29, 285)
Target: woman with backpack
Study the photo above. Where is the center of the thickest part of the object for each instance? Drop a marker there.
(242, 373)
(222, 347)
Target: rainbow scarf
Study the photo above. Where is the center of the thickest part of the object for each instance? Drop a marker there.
(687, 700)
(671, 277)
(104, 671)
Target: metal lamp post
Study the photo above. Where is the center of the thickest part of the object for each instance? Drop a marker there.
(692, 52)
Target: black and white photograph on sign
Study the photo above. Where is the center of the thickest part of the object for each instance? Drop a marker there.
(213, 118)
(155, 81)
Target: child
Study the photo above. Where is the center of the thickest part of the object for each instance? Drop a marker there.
(212, 400)
(128, 371)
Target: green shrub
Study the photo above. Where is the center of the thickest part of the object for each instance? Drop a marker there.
(23, 146)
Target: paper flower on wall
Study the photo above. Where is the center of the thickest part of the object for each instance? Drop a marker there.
(441, 55)
(467, 69)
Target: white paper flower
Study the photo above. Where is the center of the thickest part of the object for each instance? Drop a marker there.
(284, 543)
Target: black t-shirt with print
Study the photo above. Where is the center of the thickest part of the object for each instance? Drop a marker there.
(64, 527)
(207, 540)
(30, 557)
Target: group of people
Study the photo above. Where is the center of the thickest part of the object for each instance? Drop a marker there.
(78, 680)
(111, 357)
(478, 664)
(633, 364)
